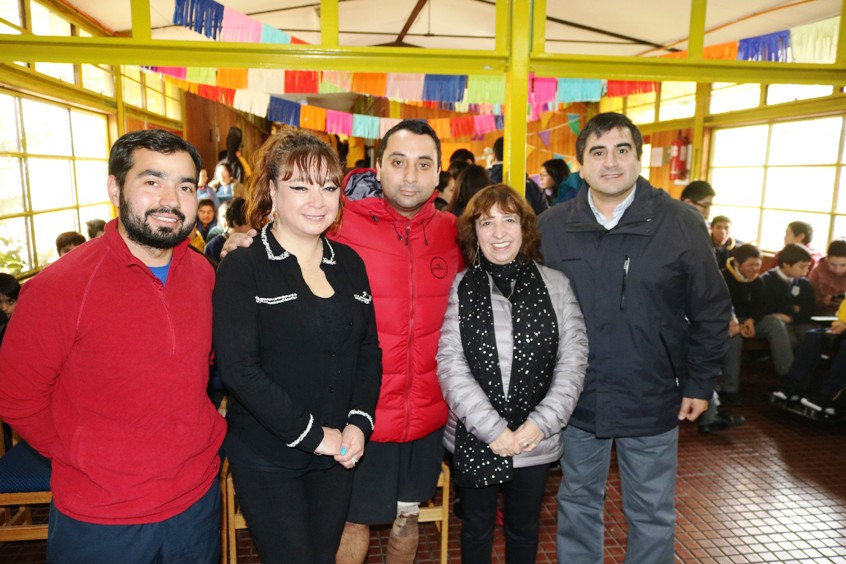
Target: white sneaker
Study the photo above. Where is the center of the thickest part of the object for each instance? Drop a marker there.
(810, 405)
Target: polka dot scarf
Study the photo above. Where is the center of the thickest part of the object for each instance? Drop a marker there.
(535, 332)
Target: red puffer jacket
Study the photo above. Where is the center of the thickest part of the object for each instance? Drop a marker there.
(411, 264)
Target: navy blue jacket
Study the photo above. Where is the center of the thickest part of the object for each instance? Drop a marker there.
(781, 297)
(655, 306)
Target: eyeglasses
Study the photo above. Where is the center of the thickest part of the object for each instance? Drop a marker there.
(703, 206)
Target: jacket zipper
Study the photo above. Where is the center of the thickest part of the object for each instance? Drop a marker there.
(410, 350)
(625, 277)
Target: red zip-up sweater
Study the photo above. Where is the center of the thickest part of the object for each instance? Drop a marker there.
(104, 370)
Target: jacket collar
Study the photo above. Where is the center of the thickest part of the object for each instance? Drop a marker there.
(637, 219)
(378, 209)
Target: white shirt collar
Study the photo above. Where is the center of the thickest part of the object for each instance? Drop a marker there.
(618, 211)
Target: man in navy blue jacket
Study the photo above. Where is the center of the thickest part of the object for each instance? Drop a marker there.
(657, 311)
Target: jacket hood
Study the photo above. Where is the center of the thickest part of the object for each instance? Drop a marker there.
(378, 209)
(732, 268)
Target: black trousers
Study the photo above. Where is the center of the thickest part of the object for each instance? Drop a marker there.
(294, 518)
(522, 498)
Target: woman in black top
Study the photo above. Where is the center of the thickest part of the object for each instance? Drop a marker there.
(295, 337)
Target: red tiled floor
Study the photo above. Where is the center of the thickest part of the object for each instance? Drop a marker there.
(773, 490)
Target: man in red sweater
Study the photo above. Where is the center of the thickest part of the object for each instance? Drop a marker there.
(104, 372)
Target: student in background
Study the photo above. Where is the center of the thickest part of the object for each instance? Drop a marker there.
(552, 175)
(788, 294)
(95, 228)
(68, 241)
(750, 320)
(700, 195)
(724, 243)
(829, 279)
(802, 233)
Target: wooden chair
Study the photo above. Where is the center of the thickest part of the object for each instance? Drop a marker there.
(24, 482)
(439, 513)
(234, 520)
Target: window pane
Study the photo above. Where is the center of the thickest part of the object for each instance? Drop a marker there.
(740, 146)
(775, 222)
(839, 227)
(780, 93)
(9, 140)
(90, 135)
(46, 128)
(10, 10)
(61, 71)
(91, 178)
(50, 183)
(817, 188)
(614, 104)
(132, 72)
(99, 80)
(45, 22)
(677, 109)
(48, 226)
(155, 101)
(14, 254)
(154, 81)
(670, 90)
(11, 189)
(738, 186)
(641, 114)
(806, 142)
(841, 192)
(735, 97)
(172, 90)
(132, 93)
(88, 213)
(645, 160)
(174, 108)
(744, 221)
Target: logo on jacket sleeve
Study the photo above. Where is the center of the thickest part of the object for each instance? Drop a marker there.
(439, 268)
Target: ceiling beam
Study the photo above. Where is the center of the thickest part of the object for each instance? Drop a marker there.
(410, 21)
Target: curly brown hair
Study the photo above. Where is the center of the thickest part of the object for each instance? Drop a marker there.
(509, 201)
(282, 155)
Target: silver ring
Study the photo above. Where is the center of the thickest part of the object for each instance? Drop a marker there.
(526, 444)
(354, 461)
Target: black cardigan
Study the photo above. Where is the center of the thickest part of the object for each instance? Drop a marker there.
(285, 380)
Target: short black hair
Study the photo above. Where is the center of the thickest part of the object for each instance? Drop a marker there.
(236, 212)
(601, 124)
(745, 252)
(557, 169)
(157, 140)
(462, 155)
(837, 248)
(499, 148)
(793, 253)
(95, 226)
(9, 286)
(415, 126)
(802, 228)
(721, 219)
(697, 190)
(67, 239)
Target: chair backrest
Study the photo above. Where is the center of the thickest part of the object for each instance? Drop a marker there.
(24, 483)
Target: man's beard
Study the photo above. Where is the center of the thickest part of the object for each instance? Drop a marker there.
(139, 231)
